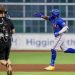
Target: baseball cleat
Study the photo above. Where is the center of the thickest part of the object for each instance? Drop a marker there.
(50, 68)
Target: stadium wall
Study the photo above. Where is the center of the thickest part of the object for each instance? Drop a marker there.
(38, 41)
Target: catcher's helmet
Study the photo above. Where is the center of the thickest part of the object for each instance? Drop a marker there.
(55, 12)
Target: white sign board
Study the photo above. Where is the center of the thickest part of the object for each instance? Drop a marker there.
(38, 41)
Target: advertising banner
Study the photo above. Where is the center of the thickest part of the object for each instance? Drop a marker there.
(38, 41)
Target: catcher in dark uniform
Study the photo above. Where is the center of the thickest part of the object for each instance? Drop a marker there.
(6, 31)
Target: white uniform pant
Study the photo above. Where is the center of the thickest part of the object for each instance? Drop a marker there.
(59, 42)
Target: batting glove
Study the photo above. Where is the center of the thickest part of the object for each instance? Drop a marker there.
(56, 34)
(38, 14)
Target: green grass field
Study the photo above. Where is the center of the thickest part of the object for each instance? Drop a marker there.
(40, 58)
(40, 73)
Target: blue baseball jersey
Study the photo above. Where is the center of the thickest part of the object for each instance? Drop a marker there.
(58, 23)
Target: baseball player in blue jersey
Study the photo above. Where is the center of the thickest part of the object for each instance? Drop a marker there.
(60, 28)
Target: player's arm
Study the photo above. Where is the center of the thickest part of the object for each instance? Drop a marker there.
(64, 29)
(12, 27)
(41, 15)
(45, 17)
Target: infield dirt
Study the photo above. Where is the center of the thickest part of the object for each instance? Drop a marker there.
(39, 67)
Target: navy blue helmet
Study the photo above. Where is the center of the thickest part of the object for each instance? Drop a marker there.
(55, 12)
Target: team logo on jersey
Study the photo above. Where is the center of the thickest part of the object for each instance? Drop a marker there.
(55, 26)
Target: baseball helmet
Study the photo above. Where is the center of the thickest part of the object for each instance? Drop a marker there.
(55, 12)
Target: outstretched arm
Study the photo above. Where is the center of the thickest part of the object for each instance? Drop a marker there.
(41, 15)
(45, 17)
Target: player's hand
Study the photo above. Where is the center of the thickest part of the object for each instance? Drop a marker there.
(56, 34)
(38, 14)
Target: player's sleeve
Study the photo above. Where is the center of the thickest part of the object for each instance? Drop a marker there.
(61, 23)
(50, 18)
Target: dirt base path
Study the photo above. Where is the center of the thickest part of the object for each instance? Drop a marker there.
(40, 67)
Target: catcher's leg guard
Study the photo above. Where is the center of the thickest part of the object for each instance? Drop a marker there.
(53, 57)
